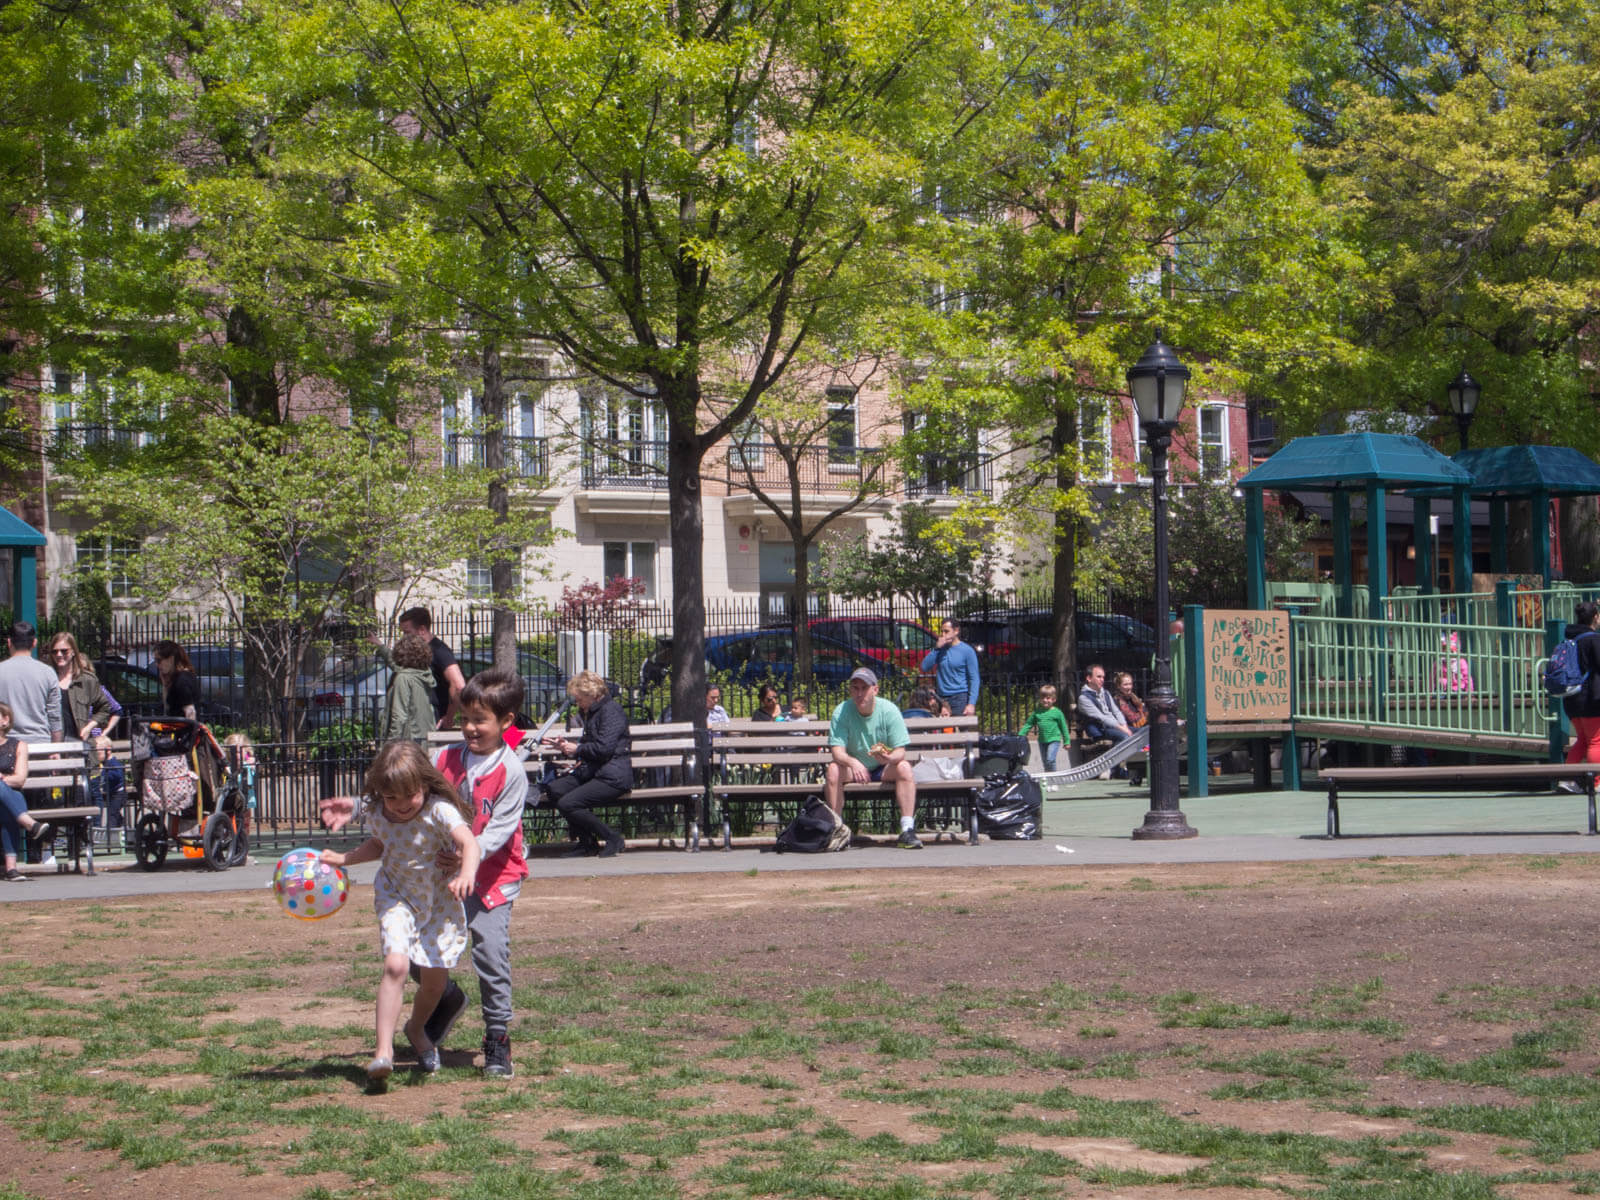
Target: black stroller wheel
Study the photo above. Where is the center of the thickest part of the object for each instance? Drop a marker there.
(218, 839)
(238, 809)
(150, 841)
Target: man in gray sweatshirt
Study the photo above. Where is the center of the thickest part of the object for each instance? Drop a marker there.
(31, 689)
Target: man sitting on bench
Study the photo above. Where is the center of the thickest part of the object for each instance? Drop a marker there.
(1098, 712)
(867, 742)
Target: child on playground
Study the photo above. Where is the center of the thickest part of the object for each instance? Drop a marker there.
(490, 775)
(1051, 723)
(414, 813)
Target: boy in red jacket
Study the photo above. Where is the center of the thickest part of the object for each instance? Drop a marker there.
(485, 770)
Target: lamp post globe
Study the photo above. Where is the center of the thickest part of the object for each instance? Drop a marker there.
(1463, 392)
(1157, 382)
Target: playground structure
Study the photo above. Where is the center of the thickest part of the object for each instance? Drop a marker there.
(1406, 666)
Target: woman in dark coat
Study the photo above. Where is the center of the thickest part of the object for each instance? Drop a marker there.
(1583, 709)
(602, 769)
(178, 678)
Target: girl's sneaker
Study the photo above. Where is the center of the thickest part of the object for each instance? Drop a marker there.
(379, 1069)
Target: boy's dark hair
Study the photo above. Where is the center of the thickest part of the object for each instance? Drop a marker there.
(923, 697)
(498, 691)
(412, 650)
(23, 635)
(1585, 612)
(419, 616)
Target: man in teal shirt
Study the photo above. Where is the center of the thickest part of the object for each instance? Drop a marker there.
(867, 742)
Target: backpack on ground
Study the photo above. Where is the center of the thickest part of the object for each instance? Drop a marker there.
(814, 830)
(1562, 675)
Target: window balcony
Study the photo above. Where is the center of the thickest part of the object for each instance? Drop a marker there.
(77, 435)
(941, 477)
(525, 457)
(625, 466)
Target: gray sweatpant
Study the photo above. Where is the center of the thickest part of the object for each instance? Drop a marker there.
(491, 959)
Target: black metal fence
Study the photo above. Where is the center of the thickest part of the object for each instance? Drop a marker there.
(339, 687)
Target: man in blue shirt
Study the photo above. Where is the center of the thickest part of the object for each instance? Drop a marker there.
(955, 668)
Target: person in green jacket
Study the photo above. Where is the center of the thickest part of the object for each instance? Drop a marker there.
(1051, 723)
(408, 702)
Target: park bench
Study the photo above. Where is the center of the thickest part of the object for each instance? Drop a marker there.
(669, 785)
(770, 767)
(1509, 775)
(59, 767)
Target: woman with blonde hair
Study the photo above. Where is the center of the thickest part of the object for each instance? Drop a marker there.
(601, 767)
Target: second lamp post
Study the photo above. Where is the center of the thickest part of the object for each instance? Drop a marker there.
(1157, 381)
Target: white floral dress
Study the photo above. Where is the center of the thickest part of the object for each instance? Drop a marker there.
(417, 915)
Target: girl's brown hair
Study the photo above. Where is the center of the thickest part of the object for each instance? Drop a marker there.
(401, 769)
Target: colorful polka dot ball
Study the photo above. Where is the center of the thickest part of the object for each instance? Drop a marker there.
(308, 888)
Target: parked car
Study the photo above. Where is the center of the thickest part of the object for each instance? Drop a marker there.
(1019, 641)
(769, 654)
(220, 669)
(140, 692)
(903, 643)
(359, 695)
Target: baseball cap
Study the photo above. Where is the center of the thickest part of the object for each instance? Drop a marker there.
(866, 677)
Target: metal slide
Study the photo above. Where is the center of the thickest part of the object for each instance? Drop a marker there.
(1114, 757)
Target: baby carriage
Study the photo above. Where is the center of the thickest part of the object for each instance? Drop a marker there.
(178, 768)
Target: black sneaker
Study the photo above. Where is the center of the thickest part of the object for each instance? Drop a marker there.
(445, 1014)
(497, 1056)
(909, 840)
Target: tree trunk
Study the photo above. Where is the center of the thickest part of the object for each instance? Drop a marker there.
(1063, 645)
(686, 524)
(802, 608)
(502, 564)
(1580, 538)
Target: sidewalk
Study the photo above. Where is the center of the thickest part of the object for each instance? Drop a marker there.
(1088, 824)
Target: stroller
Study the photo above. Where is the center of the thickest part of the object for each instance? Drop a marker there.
(179, 767)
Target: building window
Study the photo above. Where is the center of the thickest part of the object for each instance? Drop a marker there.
(842, 427)
(1212, 423)
(1094, 439)
(480, 581)
(632, 560)
(113, 559)
(749, 446)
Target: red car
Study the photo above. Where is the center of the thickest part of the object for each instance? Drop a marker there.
(902, 643)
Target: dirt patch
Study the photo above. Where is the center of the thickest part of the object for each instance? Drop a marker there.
(1448, 958)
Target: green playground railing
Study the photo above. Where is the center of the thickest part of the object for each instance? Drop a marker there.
(1420, 675)
(1525, 608)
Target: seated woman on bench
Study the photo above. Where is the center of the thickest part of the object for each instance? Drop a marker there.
(602, 769)
(15, 820)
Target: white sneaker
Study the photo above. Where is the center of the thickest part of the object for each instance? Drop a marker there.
(1570, 785)
(49, 860)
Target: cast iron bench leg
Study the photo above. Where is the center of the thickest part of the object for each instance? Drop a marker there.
(1588, 781)
(1333, 808)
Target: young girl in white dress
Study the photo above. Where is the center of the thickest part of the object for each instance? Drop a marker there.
(413, 814)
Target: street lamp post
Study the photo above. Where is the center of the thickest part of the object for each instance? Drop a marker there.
(1157, 381)
(1463, 392)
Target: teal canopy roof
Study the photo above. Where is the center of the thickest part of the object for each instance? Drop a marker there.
(1347, 461)
(1522, 471)
(14, 531)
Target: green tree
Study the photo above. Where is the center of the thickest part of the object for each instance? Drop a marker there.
(281, 529)
(918, 562)
(1206, 546)
(696, 193)
(1143, 173)
(1456, 148)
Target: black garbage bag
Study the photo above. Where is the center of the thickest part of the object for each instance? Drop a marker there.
(1010, 807)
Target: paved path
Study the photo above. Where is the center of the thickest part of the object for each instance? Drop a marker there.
(1093, 826)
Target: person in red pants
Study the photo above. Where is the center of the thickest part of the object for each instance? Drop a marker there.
(1583, 709)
